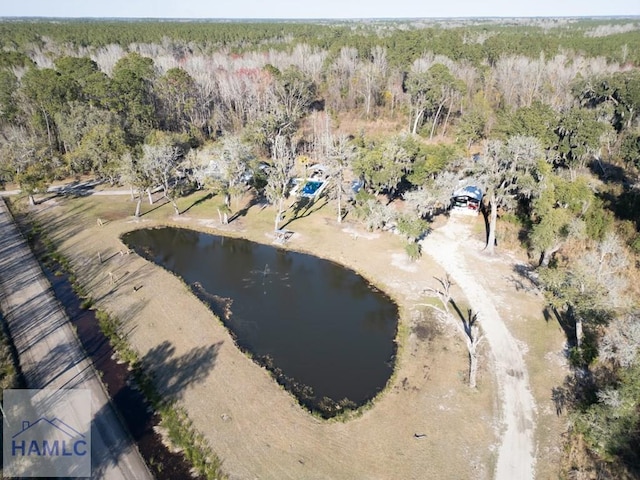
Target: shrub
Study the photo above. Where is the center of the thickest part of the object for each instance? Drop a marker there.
(414, 251)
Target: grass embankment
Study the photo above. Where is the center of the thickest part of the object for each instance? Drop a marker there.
(8, 364)
(180, 429)
(173, 419)
(9, 370)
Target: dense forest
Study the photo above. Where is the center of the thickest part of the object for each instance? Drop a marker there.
(541, 113)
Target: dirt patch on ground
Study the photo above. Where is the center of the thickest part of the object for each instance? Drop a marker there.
(256, 427)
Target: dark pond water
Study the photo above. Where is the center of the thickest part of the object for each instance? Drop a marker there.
(324, 331)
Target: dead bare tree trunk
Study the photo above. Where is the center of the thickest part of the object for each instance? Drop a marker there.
(472, 340)
(138, 205)
(473, 367)
(467, 327)
(547, 254)
(493, 220)
(577, 318)
(419, 114)
(223, 212)
(279, 214)
(46, 119)
(339, 200)
(435, 120)
(446, 120)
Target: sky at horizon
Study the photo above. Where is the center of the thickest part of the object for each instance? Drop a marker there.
(330, 9)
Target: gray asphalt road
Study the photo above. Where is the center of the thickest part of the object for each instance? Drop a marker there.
(51, 355)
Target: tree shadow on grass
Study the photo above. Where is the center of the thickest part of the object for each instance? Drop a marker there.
(243, 211)
(568, 327)
(525, 278)
(305, 207)
(172, 375)
(462, 316)
(60, 226)
(157, 204)
(200, 200)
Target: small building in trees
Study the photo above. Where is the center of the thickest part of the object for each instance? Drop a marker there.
(467, 200)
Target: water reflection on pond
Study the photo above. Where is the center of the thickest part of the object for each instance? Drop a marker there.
(323, 330)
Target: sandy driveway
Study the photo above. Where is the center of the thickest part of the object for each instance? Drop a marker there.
(452, 248)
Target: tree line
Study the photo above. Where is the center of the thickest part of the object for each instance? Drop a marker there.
(544, 120)
(474, 40)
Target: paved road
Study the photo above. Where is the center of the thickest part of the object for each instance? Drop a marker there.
(51, 355)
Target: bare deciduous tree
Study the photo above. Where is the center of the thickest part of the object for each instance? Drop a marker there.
(370, 77)
(131, 172)
(592, 284)
(620, 345)
(467, 326)
(160, 162)
(426, 200)
(279, 176)
(226, 169)
(341, 92)
(339, 158)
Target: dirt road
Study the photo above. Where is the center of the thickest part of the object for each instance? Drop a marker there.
(452, 248)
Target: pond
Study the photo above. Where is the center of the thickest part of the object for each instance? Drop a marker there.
(325, 333)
